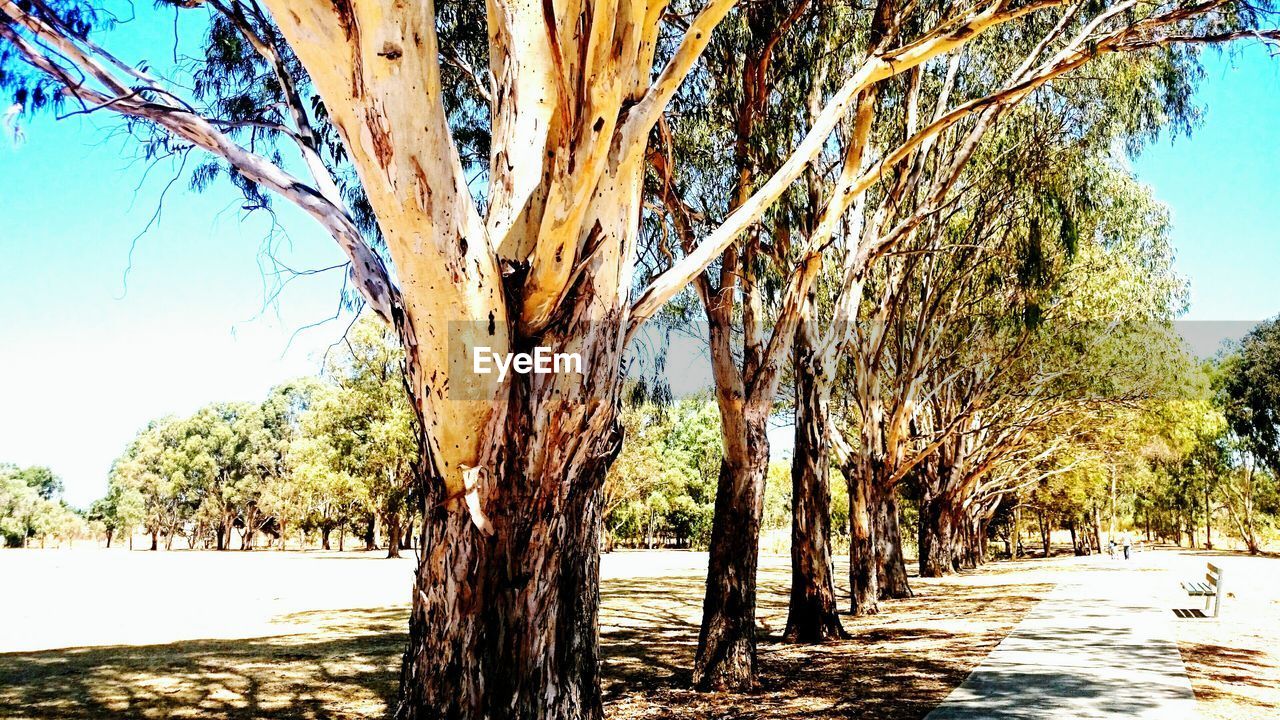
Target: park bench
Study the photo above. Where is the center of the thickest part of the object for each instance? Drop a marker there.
(1210, 588)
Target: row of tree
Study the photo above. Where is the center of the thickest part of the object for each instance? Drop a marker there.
(918, 202)
(316, 456)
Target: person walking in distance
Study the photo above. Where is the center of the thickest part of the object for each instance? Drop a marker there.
(1124, 540)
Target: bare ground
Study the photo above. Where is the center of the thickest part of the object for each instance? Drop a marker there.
(1233, 660)
(120, 636)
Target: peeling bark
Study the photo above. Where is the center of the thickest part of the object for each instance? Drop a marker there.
(864, 570)
(812, 615)
(890, 563)
(937, 537)
(726, 657)
(504, 625)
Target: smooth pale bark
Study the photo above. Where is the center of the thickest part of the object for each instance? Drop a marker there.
(812, 615)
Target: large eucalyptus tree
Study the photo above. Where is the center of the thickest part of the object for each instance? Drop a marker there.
(370, 98)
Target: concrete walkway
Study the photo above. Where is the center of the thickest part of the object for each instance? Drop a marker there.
(1100, 645)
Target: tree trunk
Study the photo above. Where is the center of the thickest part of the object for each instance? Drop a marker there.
(726, 656)
(371, 533)
(891, 565)
(1208, 520)
(937, 538)
(155, 540)
(968, 543)
(812, 615)
(1045, 531)
(864, 570)
(406, 534)
(324, 537)
(982, 539)
(1015, 532)
(505, 618)
(1097, 530)
(392, 523)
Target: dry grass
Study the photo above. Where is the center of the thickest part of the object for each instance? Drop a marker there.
(1234, 660)
(275, 644)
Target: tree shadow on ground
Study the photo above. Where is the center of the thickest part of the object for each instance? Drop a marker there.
(344, 667)
(898, 665)
(343, 664)
(1242, 678)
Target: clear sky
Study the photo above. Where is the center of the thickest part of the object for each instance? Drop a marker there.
(85, 363)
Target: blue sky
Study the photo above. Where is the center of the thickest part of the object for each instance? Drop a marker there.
(84, 364)
(1222, 186)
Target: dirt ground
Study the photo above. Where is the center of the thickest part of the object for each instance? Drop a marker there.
(1233, 660)
(113, 635)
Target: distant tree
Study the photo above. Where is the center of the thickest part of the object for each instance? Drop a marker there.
(1249, 387)
(17, 504)
(1248, 391)
(151, 482)
(268, 500)
(662, 484)
(359, 437)
(31, 508)
(42, 480)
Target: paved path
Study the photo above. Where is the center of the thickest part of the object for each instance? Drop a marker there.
(1100, 645)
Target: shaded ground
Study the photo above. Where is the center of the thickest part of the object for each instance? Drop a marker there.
(1233, 660)
(284, 641)
(899, 665)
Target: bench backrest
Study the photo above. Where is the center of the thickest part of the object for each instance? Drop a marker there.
(1214, 576)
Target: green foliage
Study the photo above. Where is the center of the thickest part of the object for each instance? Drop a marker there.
(1249, 390)
(661, 488)
(357, 448)
(31, 508)
(313, 455)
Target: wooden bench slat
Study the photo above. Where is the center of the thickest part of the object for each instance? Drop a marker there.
(1198, 588)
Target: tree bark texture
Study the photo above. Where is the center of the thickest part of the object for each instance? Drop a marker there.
(813, 615)
(726, 658)
(504, 619)
(890, 563)
(392, 523)
(937, 537)
(864, 568)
